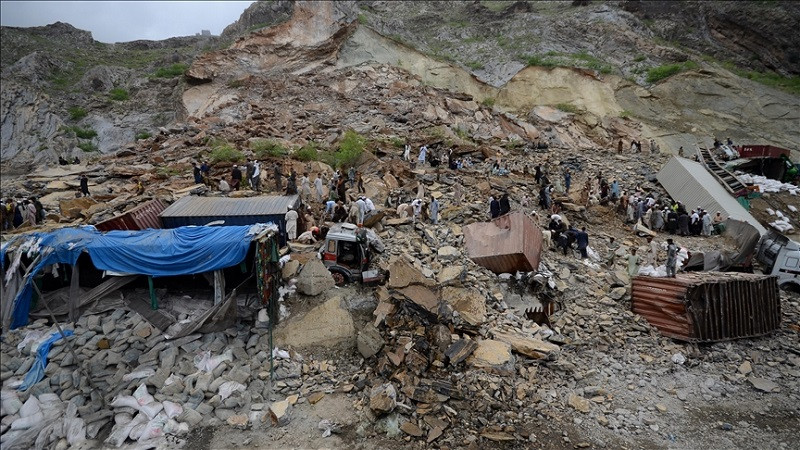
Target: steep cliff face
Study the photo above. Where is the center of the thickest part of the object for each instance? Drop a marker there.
(591, 60)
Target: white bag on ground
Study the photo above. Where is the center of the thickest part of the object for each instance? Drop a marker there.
(142, 396)
(207, 363)
(229, 387)
(172, 409)
(154, 428)
(10, 403)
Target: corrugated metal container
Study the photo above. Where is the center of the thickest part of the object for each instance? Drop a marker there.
(141, 217)
(762, 151)
(691, 184)
(709, 306)
(195, 210)
(505, 245)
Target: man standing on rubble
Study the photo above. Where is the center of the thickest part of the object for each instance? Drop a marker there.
(652, 257)
(277, 173)
(407, 153)
(672, 252)
(318, 187)
(434, 210)
(582, 239)
(198, 177)
(567, 180)
(236, 177)
(84, 185)
(633, 263)
(291, 224)
(505, 206)
(255, 181)
(494, 208)
(416, 204)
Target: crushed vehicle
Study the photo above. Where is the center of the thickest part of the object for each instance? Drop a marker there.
(347, 253)
(781, 257)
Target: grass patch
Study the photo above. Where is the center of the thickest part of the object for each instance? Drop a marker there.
(789, 84)
(639, 58)
(77, 113)
(171, 71)
(496, 6)
(656, 74)
(233, 84)
(362, 19)
(592, 62)
(475, 65)
(567, 107)
(118, 94)
(540, 60)
(223, 151)
(87, 146)
(264, 148)
(397, 142)
(308, 152)
(625, 114)
(143, 135)
(488, 102)
(82, 133)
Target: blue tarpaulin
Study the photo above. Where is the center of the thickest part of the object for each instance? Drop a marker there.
(157, 253)
(36, 372)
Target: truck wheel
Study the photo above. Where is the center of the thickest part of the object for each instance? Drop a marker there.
(339, 277)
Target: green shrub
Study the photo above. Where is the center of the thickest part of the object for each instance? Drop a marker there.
(350, 149)
(87, 147)
(488, 102)
(625, 114)
(82, 133)
(76, 113)
(142, 135)
(307, 152)
(475, 65)
(225, 152)
(538, 60)
(397, 142)
(656, 74)
(362, 19)
(264, 148)
(171, 71)
(118, 94)
(567, 107)
(639, 58)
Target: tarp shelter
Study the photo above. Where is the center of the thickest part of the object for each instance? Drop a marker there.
(156, 253)
(691, 184)
(195, 210)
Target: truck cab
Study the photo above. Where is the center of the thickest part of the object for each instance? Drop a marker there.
(781, 255)
(347, 255)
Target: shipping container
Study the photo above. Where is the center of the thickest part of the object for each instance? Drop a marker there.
(709, 306)
(141, 217)
(508, 244)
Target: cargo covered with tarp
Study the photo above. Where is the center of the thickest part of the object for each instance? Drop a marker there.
(155, 253)
(709, 306)
(507, 244)
(746, 237)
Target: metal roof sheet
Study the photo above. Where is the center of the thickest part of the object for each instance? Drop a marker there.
(691, 184)
(194, 206)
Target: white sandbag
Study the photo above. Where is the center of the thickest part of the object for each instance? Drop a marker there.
(30, 407)
(207, 363)
(151, 409)
(75, 429)
(142, 396)
(122, 428)
(10, 403)
(23, 423)
(139, 374)
(172, 409)
(139, 423)
(124, 400)
(229, 387)
(154, 428)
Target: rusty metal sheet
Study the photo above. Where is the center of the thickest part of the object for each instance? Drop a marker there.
(709, 306)
(510, 243)
(141, 217)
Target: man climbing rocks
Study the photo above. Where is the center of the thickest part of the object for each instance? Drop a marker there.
(582, 239)
(494, 208)
(505, 206)
(198, 176)
(236, 177)
(84, 185)
(434, 210)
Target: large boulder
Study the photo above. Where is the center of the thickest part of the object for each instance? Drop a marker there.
(314, 278)
(328, 325)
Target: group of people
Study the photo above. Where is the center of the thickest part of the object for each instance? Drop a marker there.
(19, 212)
(355, 212)
(420, 210)
(670, 217)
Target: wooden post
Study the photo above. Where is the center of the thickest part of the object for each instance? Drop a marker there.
(74, 291)
(153, 298)
(219, 286)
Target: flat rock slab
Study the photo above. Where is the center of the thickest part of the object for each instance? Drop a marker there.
(423, 297)
(493, 356)
(764, 385)
(402, 274)
(328, 324)
(528, 346)
(469, 303)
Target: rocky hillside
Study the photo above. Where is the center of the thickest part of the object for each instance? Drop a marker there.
(63, 93)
